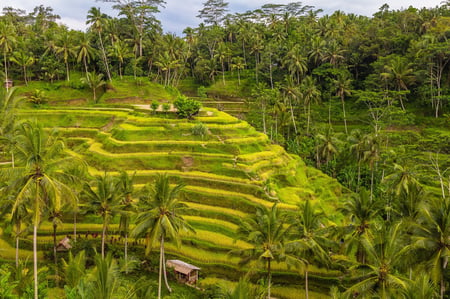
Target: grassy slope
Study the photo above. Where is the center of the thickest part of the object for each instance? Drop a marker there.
(230, 165)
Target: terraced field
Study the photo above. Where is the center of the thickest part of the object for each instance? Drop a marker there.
(228, 172)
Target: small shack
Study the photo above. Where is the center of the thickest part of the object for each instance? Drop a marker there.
(184, 272)
(8, 83)
(64, 245)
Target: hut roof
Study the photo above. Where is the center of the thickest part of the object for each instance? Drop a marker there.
(64, 244)
(181, 266)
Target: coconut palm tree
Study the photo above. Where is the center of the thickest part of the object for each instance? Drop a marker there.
(66, 48)
(363, 214)
(342, 85)
(24, 60)
(309, 242)
(97, 20)
(127, 210)
(433, 239)
(159, 218)
(94, 81)
(7, 41)
(104, 200)
(309, 93)
(85, 52)
(42, 178)
(380, 274)
(266, 232)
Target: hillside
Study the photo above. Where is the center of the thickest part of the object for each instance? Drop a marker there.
(229, 169)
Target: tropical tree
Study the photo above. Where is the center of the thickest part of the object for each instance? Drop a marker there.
(104, 200)
(433, 239)
(127, 210)
(42, 179)
(159, 218)
(238, 64)
(94, 81)
(309, 93)
(97, 20)
(342, 85)
(66, 48)
(24, 60)
(380, 273)
(266, 232)
(309, 241)
(7, 41)
(85, 52)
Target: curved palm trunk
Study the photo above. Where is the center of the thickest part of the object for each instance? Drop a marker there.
(67, 71)
(126, 253)
(55, 258)
(6, 68)
(269, 279)
(17, 251)
(103, 238)
(164, 266)
(35, 226)
(306, 283)
(160, 268)
(105, 60)
(345, 116)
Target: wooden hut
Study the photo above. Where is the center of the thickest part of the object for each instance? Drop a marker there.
(8, 83)
(64, 245)
(184, 272)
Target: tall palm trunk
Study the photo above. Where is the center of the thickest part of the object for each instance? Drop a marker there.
(269, 278)
(105, 60)
(345, 116)
(126, 253)
(160, 267)
(103, 238)
(306, 283)
(164, 267)
(6, 68)
(55, 258)
(35, 226)
(17, 249)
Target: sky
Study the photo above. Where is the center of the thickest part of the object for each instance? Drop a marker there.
(180, 14)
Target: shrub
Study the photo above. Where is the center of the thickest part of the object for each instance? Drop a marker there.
(199, 129)
(201, 92)
(186, 108)
(154, 105)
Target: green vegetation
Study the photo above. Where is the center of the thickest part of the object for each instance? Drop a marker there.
(284, 152)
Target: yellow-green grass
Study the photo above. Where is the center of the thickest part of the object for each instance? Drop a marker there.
(249, 197)
(214, 222)
(8, 252)
(288, 292)
(98, 148)
(273, 151)
(216, 239)
(220, 210)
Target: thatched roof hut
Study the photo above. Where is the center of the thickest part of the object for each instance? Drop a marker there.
(64, 245)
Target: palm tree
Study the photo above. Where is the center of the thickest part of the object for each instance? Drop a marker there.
(343, 85)
(266, 232)
(296, 63)
(363, 213)
(401, 179)
(98, 22)
(94, 81)
(120, 51)
(104, 280)
(127, 210)
(24, 60)
(65, 48)
(433, 239)
(7, 41)
(384, 255)
(326, 146)
(402, 73)
(104, 200)
(85, 52)
(309, 241)
(309, 93)
(238, 64)
(42, 180)
(159, 219)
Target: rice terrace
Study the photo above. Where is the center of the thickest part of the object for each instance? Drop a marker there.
(281, 152)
